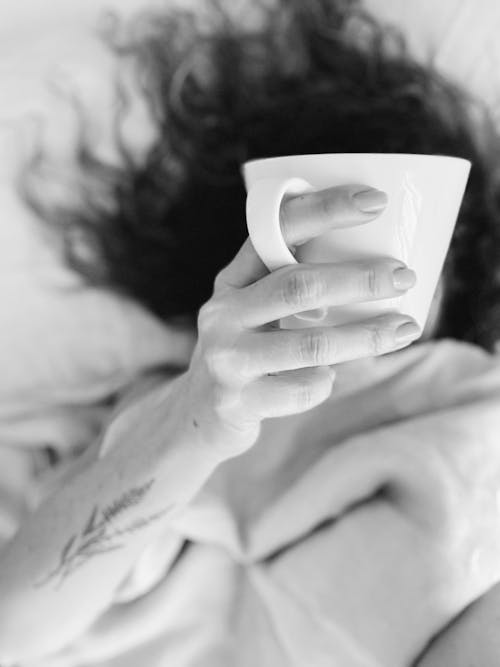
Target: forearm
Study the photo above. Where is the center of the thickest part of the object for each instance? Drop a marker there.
(64, 564)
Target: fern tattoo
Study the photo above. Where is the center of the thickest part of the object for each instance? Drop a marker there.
(99, 534)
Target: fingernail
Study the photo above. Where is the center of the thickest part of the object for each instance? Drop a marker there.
(403, 278)
(407, 332)
(370, 200)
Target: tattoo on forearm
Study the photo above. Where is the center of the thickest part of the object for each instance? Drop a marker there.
(99, 534)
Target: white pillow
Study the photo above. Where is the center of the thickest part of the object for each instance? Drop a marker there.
(64, 346)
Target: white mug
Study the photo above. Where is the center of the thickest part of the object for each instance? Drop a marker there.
(424, 192)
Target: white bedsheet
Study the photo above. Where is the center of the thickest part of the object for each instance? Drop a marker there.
(350, 535)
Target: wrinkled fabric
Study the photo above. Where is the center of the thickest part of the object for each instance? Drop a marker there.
(349, 535)
(67, 352)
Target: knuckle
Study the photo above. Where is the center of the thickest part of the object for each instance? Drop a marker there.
(212, 359)
(301, 288)
(227, 363)
(311, 391)
(208, 315)
(376, 340)
(241, 364)
(315, 347)
(218, 361)
(224, 281)
(218, 311)
(220, 398)
(304, 395)
(227, 406)
(370, 281)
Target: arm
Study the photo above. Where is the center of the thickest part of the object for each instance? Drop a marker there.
(62, 567)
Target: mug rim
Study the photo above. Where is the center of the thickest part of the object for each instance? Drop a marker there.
(308, 156)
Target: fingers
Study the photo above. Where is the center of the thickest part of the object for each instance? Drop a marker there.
(300, 287)
(289, 393)
(303, 218)
(293, 349)
(314, 213)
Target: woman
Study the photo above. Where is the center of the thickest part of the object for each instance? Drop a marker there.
(300, 78)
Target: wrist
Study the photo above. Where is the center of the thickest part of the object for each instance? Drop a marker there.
(135, 410)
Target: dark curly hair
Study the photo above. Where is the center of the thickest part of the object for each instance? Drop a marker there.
(300, 77)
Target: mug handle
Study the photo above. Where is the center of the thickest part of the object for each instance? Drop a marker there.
(263, 222)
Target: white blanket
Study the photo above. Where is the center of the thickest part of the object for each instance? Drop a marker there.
(349, 535)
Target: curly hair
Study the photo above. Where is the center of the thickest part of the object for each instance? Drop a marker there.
(305, 77)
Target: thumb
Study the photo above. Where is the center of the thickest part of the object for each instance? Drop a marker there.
(243, 270)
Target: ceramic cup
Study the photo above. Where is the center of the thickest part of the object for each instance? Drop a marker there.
(424, 191)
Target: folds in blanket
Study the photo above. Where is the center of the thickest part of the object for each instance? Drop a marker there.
(354, 553)
(375, 537)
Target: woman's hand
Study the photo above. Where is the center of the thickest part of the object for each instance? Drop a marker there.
(244, 368)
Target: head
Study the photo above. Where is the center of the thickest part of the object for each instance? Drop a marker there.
(315, 77)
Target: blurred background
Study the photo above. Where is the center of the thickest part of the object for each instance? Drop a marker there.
(42, 44)
(38, 39)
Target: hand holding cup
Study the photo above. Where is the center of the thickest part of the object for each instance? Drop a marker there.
(416, 227)
(245, 368)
